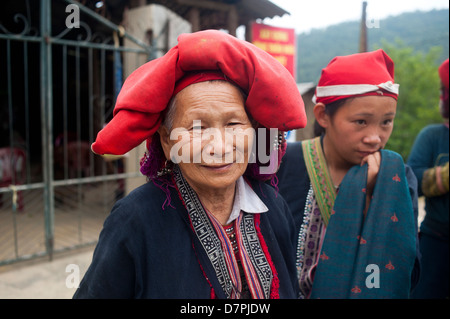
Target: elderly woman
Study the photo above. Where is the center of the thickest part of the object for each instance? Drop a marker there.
(206, 226)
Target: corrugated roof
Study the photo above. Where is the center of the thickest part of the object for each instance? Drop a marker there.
(260, 9)
(248, 9)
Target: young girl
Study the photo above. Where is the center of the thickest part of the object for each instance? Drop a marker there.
(354, 203)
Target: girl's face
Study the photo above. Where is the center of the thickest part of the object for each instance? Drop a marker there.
(360, 127)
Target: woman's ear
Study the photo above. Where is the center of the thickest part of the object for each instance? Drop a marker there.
(321, 115)
(164, 137)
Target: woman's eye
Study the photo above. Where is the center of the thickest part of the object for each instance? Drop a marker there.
(360, 122)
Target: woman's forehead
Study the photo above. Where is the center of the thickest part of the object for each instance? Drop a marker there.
(209, 88)
(217, 96)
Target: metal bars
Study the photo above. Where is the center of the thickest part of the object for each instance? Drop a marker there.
(64, 199)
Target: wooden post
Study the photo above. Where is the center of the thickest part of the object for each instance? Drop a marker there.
(194, 19)
(233, 20)
(363, 34)
(248, 31)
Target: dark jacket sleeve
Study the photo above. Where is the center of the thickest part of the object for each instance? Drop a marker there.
(111, 273)
(293, 181)
(413, 190)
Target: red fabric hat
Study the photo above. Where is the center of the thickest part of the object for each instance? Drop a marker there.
(273, 98)
(443, 73)
(370, 73)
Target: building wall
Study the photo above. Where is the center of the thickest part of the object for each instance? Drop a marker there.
(308, 131)
(151, 23)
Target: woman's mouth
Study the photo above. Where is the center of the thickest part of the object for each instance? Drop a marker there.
(217, 167)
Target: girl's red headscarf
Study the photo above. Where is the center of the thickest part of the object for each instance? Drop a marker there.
(370, 73)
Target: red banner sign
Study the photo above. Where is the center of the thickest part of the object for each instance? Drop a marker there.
(278, 42)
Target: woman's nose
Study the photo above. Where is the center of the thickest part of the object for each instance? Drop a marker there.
(220, 143)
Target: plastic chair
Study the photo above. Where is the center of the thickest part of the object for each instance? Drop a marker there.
(13, 170)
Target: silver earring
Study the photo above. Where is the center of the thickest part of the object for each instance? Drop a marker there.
(278, 141)
(167, 169)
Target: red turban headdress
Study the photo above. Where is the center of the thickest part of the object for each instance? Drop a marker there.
(273, 99)
(369, 73)
(443, 73)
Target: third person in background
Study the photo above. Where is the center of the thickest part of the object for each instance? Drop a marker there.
(429, 160)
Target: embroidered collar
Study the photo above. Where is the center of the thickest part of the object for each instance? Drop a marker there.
(212, 237)
(246, 200)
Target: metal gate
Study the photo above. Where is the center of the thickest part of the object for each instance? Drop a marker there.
(59, 78)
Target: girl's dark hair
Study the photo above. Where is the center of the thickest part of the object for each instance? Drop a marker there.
(330, 110)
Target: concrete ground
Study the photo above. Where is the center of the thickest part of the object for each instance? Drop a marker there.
(44, 279)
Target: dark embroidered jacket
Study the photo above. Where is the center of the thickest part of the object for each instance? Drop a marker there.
(147, 252)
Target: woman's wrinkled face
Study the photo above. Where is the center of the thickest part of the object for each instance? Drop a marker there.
(211, 135)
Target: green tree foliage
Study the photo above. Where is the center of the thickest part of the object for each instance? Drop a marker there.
(418, 102)
(423, 45)
(419, 30)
